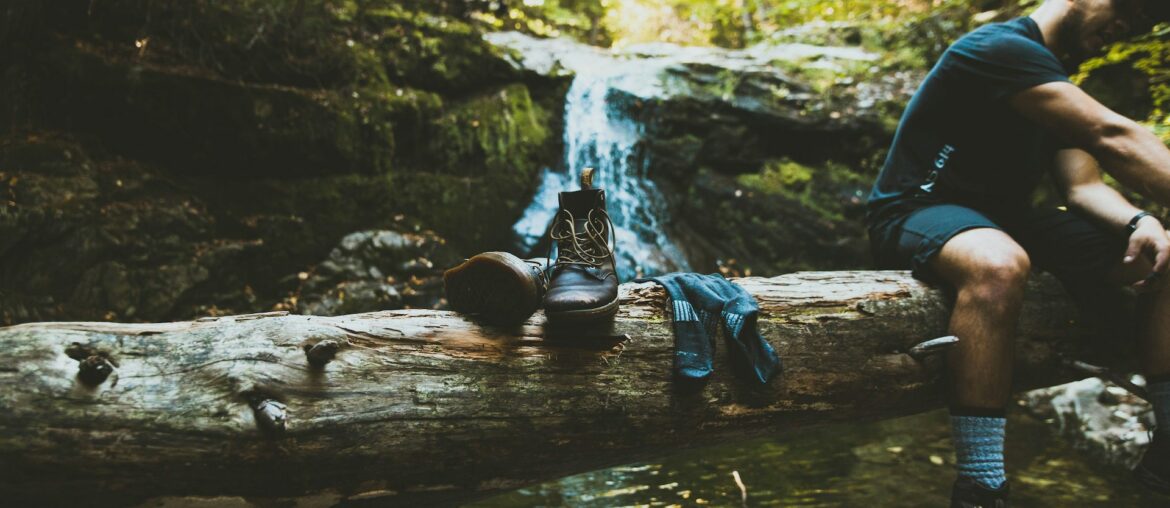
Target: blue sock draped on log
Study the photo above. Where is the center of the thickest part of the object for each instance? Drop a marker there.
(701, 303)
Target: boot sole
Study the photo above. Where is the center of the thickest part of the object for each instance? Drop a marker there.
(496, 286)
(607, 311)
(1151, 481)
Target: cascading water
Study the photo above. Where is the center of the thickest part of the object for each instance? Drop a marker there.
(600, 136)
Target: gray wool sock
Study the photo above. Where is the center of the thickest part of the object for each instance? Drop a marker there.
(1160, 398)
(979, 448)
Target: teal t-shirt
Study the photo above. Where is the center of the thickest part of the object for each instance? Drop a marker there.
(960, 137)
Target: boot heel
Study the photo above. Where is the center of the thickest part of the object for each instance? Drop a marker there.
(496, 287)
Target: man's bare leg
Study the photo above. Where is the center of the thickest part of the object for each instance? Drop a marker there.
(1153, 340)
(989, 271)
(1153, 313)
(1153, 349)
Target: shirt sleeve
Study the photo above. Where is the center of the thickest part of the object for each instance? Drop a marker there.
(999, 65)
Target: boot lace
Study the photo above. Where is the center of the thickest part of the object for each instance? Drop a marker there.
(539, 269)
(588, 245)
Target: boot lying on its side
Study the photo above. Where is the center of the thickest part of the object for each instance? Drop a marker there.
(497, 287)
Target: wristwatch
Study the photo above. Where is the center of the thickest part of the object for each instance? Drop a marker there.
(1132, 226)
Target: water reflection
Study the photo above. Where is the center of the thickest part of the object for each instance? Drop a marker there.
(903, 462)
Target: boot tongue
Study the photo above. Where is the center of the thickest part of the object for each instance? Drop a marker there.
(579, 203)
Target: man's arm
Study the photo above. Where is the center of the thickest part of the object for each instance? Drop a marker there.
(1128, 151)
(1079, 177)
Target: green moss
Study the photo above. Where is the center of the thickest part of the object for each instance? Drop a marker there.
(479, 166)
(465, 170)
(820, 189)
(778, 176)
(491, 132)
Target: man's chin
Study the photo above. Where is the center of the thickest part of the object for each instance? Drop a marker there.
(1075, 58)
(1072, 62)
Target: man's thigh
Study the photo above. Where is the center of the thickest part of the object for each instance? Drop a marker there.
(1085, 256)
(1065, 243)
(914, 239)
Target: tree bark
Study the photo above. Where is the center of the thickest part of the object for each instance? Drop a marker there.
(418, 406)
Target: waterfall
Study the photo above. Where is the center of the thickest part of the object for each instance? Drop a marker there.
(599, 135)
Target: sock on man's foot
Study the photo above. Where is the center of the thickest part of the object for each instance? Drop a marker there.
(1159, 388)
(1154, 469)
(978, 440)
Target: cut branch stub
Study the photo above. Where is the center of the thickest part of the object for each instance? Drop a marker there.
(79, 351)
(94, 369)
(320, 353)
(271, 415)
(933, 346)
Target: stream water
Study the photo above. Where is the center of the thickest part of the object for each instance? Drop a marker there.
(904, 462)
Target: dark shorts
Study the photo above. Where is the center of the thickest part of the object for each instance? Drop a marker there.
(1076, 250)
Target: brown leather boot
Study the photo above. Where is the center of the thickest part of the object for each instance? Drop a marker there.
(583, 282)
(497, 287)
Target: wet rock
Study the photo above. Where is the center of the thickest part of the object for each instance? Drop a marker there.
(87, 238)
(1100, 418)
(377, 270)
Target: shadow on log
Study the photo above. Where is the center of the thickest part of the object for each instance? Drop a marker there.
(420, 406)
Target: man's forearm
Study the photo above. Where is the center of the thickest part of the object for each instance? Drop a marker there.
(1103, 203)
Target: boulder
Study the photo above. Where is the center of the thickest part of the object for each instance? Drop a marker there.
(1100, 418)
(377, 270)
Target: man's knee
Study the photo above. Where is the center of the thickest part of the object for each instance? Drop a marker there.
(987, 264)
(1005, 268)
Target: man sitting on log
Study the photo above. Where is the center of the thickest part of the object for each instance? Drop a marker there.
(953, 204)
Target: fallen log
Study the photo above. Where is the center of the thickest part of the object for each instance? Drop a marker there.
(421, 406)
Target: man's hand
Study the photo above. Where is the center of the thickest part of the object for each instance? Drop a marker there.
(1151, 240)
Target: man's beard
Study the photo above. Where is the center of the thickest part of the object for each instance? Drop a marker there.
(1068, 38)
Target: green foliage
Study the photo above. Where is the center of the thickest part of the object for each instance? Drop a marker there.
(582, 19)
(1149, 56)
(301, 43)
(739, 23)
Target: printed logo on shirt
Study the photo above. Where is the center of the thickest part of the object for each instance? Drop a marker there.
(939, 162)
(943, 156)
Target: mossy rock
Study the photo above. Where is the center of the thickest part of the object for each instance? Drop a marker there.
(785, 217)
(95, 238)
(221, 148)
(480, 171)
(221, 127)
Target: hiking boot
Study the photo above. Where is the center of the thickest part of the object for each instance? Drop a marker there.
(497, 287)
(1154, 469)
(583, 283)
(968, 493)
